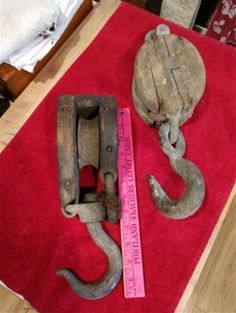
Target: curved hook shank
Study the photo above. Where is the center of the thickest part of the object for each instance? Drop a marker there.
(104, 286)
(193, 195)
(194, 182)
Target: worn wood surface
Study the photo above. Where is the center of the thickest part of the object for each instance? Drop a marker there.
(169, 79)
(212, 286)
(182, 12)
(10, 303)
(220, 246)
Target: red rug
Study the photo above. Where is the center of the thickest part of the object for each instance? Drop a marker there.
(36, 240)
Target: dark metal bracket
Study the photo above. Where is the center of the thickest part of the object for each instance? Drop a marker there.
(87, 135)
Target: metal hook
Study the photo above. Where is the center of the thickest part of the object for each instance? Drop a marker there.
(93, 213)
(101, 288)
(87, 135)
(194, 182)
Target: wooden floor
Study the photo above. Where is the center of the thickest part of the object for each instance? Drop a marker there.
(212, 287)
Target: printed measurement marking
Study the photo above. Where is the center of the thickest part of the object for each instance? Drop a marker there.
(130, 233)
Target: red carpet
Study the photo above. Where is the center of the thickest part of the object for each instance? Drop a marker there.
(36, 240)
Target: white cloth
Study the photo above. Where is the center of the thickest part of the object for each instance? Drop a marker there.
(34, 50)
(22, 21)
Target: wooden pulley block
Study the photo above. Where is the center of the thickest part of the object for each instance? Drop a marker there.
(169, 78)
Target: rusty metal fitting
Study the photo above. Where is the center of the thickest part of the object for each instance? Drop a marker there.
(87, 135)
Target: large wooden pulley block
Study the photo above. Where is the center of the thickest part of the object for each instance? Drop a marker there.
(169, 78)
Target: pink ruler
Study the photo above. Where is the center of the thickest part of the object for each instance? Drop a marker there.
(130, 232)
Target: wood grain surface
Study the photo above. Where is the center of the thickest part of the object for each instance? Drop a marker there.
(169, 79)
(11, 303)
(212, 286)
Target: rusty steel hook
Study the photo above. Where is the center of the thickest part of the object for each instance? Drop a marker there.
(87, 135)
(104, 286)
(194, 182)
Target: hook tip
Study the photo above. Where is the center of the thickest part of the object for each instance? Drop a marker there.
(151, 179)
(152, 182)
(64, 272)
(156, 190)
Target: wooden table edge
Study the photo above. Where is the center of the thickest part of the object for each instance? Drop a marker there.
(208, 257)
